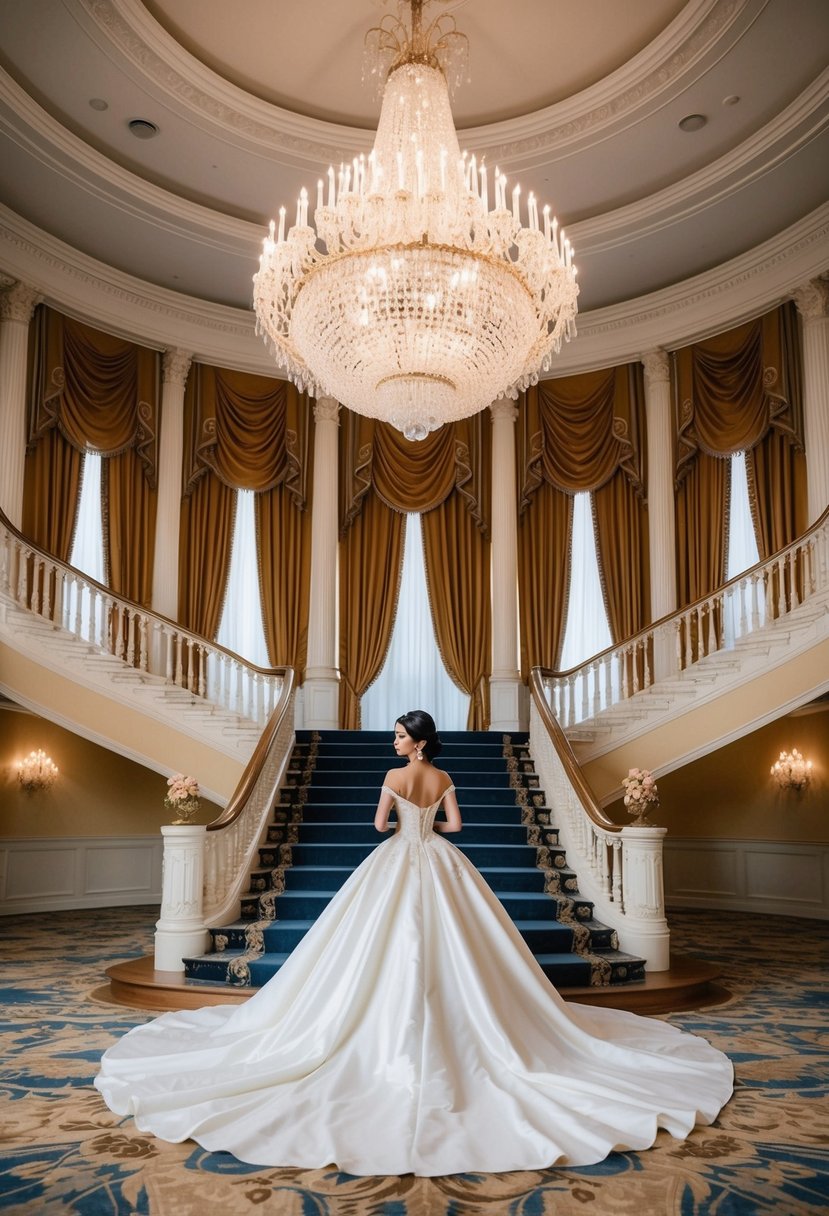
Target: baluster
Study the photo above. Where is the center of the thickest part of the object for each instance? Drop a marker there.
(177, 646)
(238, 703)
(22, 570)
(168, 643)
(636, 650)
(605, 867)
(47, 598)
(794, 559)
(78, 590)
(743, 618)
(260, 700)
(596, 701)
(143, 655)
(91, 617)
(755, 604)
(585, 693)
(781, 577)
(571, 700)
(37, 574)
(712, 633)
(202, 671)
(191, 666)
(617, 893)
(130, 639)
(650, 646)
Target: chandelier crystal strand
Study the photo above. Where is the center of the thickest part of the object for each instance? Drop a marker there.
(409, 300)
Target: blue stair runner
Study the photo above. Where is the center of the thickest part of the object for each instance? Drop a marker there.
(323, 828)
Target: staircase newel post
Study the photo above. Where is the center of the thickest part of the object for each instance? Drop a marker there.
(180, 930)
(645, 930)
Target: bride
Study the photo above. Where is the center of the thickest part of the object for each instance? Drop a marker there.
(412, 1031)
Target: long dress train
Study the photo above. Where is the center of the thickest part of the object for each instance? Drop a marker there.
(412, 1031)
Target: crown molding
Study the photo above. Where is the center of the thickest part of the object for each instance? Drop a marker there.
(675, 316)
(125, 29)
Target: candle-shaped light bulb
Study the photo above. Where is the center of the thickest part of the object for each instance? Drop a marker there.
(281, 236)
(516, 204)
(271, 230)
(319, 194)
(484, 188)
(473, 175)
(533, 211)
(546, 221)
(331, 186)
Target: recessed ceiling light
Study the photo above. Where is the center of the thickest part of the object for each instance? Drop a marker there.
(142, 128)
(98, 103)
(731, 100)
(692, 122)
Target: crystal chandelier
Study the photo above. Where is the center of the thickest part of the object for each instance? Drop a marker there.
(410, 300)
(37, 771)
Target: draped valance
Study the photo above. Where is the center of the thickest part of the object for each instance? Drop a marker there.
(732, 389)
(102, 393)
(578, 431)
(414, 476)
(251, 431)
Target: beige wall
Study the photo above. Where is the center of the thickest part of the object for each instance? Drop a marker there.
(98, 792)
(730, 793)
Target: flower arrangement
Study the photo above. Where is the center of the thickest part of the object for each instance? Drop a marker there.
(640, 793)
(182, 797)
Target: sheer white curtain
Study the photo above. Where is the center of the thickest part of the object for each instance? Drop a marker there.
(413, 676)
(587, 630)
(88, 544)
(241, 629)
(742, 553)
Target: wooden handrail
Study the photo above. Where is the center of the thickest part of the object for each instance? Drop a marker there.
(253, 768)
(648, 630)
(567, 756)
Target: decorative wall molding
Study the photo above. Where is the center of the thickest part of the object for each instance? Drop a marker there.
(769, 877)
(67, 872)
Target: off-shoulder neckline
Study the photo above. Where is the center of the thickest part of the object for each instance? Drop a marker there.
(408, 801)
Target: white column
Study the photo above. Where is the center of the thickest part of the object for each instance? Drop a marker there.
(813, 305)
(644, 930)
(176, 365)
(661, 519)
(16, 308)
(180, 930)
(322, 682)
(509, 709)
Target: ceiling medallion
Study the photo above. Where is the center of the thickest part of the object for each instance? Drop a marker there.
(409, 300)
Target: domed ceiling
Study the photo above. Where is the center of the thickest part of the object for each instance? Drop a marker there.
(668, 137)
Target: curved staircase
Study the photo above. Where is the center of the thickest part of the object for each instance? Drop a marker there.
(324, 828)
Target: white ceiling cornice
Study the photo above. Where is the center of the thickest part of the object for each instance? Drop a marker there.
(685, 312)
(126, 31)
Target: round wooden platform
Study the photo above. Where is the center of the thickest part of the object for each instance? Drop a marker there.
(689, 984)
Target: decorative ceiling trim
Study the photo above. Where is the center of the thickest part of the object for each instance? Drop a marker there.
(53, 145)
(661, 69)
(685, 312)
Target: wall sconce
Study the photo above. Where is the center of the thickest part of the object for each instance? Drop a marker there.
(37, 772)
(791, 771)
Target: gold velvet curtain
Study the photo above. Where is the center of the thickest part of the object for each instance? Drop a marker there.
(90, 391)
(446, 479)
(581, 433)
(247, 432)
(739, 391)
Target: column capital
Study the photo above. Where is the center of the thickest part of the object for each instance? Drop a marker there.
(657, 367)
(326, 409)
(504, 409)
(18, 303)
(175, 366)
(812, 300)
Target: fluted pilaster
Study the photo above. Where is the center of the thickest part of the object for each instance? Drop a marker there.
(176, 365)
(321, 686)
(507, 708)
(813, 305)
(16, 307)
(661, 520)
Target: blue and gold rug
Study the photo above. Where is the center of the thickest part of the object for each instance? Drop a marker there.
(63, 1152)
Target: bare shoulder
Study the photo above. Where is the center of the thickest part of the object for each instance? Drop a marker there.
(392, 780)
(448, 785)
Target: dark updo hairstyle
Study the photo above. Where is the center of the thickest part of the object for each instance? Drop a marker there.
(420, 725)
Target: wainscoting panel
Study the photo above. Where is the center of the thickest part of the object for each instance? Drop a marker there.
(79, 872)
(765, 876)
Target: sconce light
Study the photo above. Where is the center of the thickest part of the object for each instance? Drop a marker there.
(37, 772)
(791, 771)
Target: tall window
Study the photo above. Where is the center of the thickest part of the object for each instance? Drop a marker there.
(241, 629)
(587, 630)
(413, 676)
(742, 553)
(88, 544)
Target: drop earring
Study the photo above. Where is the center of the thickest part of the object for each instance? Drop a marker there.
(419, 754)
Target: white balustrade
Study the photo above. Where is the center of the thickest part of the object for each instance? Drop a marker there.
(619, 869)
(713, 624)
(141, 639)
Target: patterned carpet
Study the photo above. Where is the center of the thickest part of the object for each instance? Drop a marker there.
(64, 1152)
